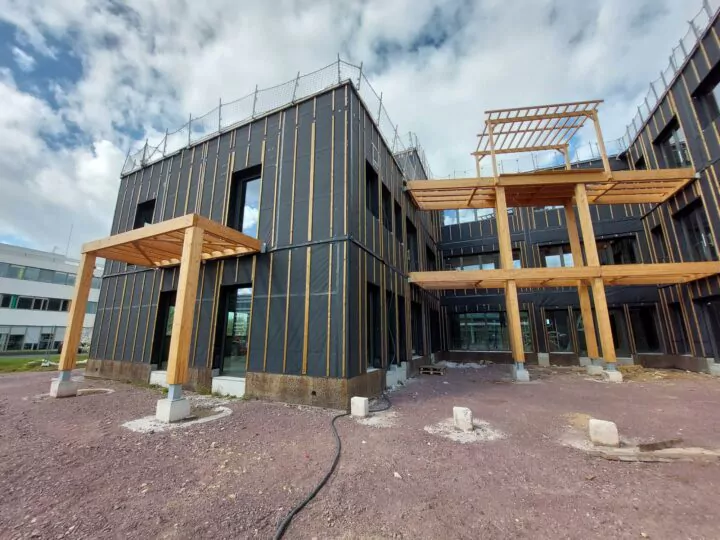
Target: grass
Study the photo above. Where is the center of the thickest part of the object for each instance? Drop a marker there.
(15, 364)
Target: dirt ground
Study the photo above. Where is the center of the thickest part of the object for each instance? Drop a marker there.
(68, 469)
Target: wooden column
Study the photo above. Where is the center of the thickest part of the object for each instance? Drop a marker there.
(180, 339)
(598, 287)
(583, 290)
(76, 315)
(506, 262)
(601, 143)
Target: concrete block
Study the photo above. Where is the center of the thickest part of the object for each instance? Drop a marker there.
(59, 389)
(625, 361)
(229, 386)
(543, 359)
(391, 376)
(585, 361)
(594, 370)
(520, 374)
(603, 433)
(713, 367)
(159, 378)
(462, 419)
(612, 376)
(359, 407)
(402, 372)
(172, 411)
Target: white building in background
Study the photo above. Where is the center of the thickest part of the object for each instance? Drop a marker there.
(36, 288)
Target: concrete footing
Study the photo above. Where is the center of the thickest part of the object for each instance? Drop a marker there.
(713, 367)
(60, 389)
(520, 374)
(359, 406)
(592, 369)
(603, 433)
(158, 378)
(463, 419)
(172, 410)
(585, 361)
(543, 359)
(228, 386)
(612, 375)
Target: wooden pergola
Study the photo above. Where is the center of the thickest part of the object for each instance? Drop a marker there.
(184, 241)
(540, 128)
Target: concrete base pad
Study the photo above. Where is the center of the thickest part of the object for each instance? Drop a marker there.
(585, 361)
(594, 370)
(159, 378)
(359, 406)
(543, 359)
(59, 389)
(714, 369)
(172, 411)
(612, 376)
(229, 386)
(521, 375)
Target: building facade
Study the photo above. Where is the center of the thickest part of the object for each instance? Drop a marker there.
(36, 289)
(325, 308)
(326, 311)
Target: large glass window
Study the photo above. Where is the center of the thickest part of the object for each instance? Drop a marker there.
(487, 331)
(482, 261)
(15, 271)
(371, 190)
(618, 251)
(557, 325)
(556, 256)
(658, 240)
(144, 214)
(43, 275)
(673, 146)
(698, 240)
(678, 332)
(644, 327)
(618, 326)
(244, 210)
(707, 97)
(237, 324)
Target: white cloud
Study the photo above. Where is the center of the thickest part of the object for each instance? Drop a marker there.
(24, 61)
(146, 64)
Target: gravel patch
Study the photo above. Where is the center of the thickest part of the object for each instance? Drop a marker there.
(68, 468)
(383, 419)
(482, 432)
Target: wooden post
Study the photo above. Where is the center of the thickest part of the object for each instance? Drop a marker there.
(76, 316)
(185, 306)
(506, 262)
(583, 291)
(598, 288)
(601, 144)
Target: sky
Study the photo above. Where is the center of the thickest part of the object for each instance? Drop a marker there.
(84, 81)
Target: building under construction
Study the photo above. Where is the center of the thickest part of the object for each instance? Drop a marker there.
(302, 253)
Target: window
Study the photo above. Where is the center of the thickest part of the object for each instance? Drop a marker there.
(487, 331)
(3, 270)
(54, 304)
(556, 256)
(640, 164)
(374, 358)
(416, 326)
(71, 279)
(387, 203)
(60, 278)
(15, 341)
(371, 190)
(24, 302)
(144, 214)
(431, 260)
(678, 333)
(484, 261)
(697, 241)
(46, 276)
(96, 282)
(31, 274)
(65, 306)
(557, 325)
(91, 307)
(658, 240)
(15, 271)
(398, 222)
(644, 329)
(244, 211)
(673, 146)
(412, 246)
(618, 251)
(5, 301)
(707, 97)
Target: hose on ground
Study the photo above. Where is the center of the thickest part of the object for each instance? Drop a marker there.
(280, 531)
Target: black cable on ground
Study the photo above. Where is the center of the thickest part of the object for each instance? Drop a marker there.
(280, 531)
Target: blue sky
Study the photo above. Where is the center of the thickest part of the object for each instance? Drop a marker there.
(83, 81)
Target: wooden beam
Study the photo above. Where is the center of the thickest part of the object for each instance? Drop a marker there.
(517, 150)
(76, 316)
(180, 339)
(531, 117)
(134, 235)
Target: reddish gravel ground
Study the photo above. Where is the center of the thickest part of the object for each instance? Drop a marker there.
(69, 470)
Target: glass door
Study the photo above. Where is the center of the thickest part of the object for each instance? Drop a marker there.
(235, 334)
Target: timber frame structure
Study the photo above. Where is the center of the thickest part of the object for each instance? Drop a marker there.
(185, 241)
(541, 128)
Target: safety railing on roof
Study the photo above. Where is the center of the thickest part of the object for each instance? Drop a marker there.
(264, 101)
(696, 27)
